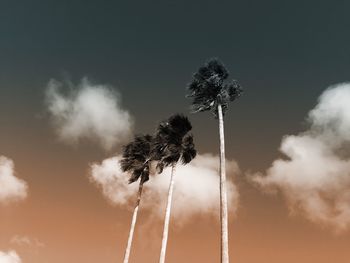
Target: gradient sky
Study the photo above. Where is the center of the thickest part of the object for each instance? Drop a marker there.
(284, 54)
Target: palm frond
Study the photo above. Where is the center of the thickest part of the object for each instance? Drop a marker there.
(135, 158)
(208, 88)
(173, 142)
(189, 152)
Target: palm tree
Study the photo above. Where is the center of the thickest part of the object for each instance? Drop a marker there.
(172, 143)
(136, 161)
(210, 93)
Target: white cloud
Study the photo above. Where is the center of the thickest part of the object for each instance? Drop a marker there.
(315, 178)
(88, 111)
(196, 187)
(9, 257)
(11, 187)
(113, 183)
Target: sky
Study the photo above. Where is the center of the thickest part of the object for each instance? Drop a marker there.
(134, 60)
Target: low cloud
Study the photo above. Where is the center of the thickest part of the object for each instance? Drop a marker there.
(196, 187)
(87, 112)
(315, 178)
(9, 257)
(26, 241)
(11, 188)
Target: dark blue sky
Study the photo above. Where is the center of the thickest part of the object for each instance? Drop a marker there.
(284, 53)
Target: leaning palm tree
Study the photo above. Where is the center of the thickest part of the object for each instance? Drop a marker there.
(210, 93)
(136, 161)
(172, 143)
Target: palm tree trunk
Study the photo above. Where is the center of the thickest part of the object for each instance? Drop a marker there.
(133, 223)
(167, 217)
(223, 192)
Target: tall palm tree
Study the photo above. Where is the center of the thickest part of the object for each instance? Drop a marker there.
(210, 92)
(136, 161)
(172, 143)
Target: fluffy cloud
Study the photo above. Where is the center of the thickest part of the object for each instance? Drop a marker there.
(196, 187)
(315, 179)
(11, 188)
(88, 111)
(9, 257)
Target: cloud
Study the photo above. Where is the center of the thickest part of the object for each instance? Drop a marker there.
(26, 241)
(196, 187)
(9, 257)
(88, 112)
(315, 179)
(11, 187)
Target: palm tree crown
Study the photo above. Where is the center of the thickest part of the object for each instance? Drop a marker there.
(136, 158)
(173, 142)
(208, 88)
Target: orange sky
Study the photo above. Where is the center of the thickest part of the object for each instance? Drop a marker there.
(68, 214)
